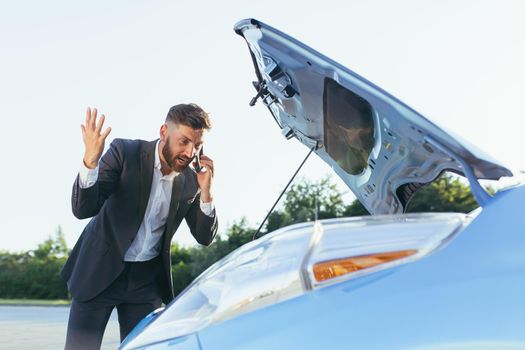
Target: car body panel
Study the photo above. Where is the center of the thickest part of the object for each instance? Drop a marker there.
(468, 295)
(187, 342)
(381, 148)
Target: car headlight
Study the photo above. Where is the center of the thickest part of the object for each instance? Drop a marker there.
(292, 260)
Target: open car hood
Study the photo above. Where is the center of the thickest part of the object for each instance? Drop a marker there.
(381, 148)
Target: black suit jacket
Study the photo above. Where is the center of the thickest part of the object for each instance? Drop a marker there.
(117, 202)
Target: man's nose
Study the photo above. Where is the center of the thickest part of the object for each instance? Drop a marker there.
(189, 151)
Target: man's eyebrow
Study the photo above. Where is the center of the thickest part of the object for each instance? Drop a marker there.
(196, 144)
(186, 137)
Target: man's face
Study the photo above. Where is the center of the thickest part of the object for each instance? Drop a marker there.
(180, 144)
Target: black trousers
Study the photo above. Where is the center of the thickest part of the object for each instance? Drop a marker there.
(135, 293)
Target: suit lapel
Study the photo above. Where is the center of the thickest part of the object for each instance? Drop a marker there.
(147, 162)
(176, 195)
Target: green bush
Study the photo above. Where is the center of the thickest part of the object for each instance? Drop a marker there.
(35, 274)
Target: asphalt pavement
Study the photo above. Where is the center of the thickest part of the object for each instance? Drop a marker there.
(43, 328)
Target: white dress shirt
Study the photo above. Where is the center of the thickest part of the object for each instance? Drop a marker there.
(146, 244)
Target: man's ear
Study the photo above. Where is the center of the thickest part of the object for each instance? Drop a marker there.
(163, 132)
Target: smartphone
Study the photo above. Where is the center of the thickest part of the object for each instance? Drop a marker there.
(198, 166)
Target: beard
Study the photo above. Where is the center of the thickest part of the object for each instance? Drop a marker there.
(174, 161)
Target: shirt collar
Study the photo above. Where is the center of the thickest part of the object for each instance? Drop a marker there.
(157, 162)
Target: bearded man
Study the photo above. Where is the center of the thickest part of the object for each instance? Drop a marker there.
(137, 195)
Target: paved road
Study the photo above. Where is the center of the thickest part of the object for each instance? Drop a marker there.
(42, 327)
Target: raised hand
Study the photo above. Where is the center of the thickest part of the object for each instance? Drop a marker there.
(93, 139)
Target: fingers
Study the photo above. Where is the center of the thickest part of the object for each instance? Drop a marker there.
(93, 140)
(206, 159)
(106, 133)
(208, 163)
(93, 119)
(100, 123)
(88, 116)
(92, 128)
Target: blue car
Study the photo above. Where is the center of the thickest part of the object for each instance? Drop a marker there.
(386, 281)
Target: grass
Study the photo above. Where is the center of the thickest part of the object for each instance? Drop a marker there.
(35, 302)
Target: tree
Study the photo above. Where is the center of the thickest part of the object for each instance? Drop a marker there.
(35, 274)
(53, 246)
(446, 194)
(181, 259)
(239, 233)
(355, 209)
(306, 199)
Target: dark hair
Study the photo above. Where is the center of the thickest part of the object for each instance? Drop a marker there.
(190, 115)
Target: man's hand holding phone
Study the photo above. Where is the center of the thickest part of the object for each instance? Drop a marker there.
(204, 167)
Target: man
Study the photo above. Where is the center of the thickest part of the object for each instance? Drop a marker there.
(137, 193)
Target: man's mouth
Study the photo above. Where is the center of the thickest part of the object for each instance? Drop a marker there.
(181, 160)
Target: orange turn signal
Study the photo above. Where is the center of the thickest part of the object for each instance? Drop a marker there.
(333, 268)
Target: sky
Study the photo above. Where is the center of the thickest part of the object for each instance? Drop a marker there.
(459, 63)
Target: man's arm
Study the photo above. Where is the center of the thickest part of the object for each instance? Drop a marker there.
(203, 226)
(87, 201)
(201, 217)
(97, 181)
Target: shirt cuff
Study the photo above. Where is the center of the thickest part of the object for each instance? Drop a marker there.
(87, 177)
(208, 209)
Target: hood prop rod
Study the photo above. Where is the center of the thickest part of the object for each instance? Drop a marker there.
(285, 188)
(261, 90)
